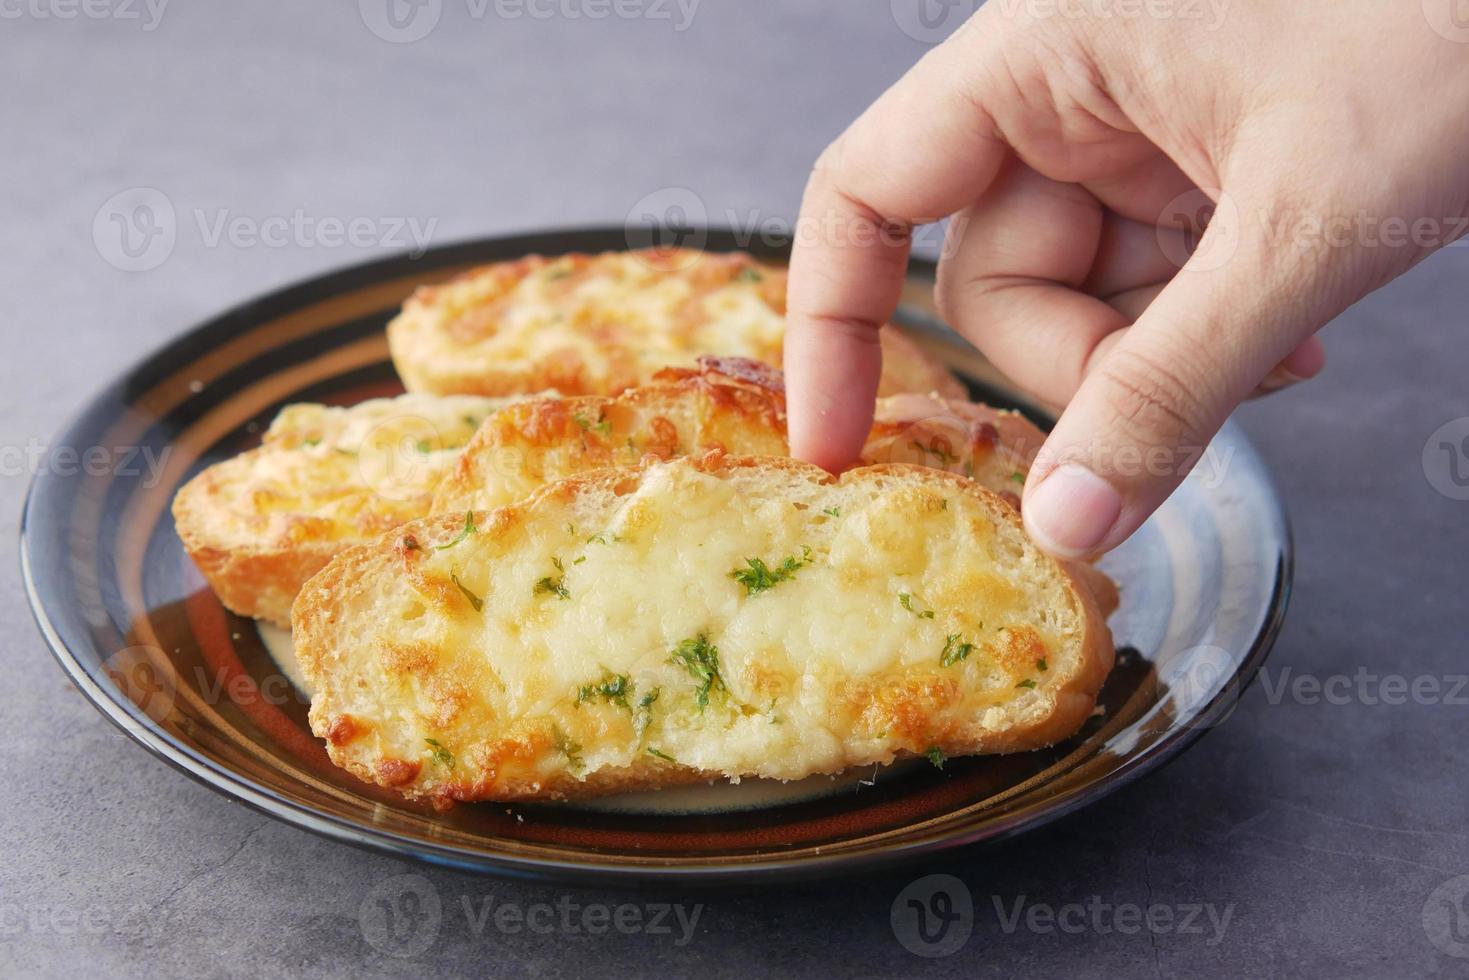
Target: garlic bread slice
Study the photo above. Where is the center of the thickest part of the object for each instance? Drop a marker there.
(718, 617)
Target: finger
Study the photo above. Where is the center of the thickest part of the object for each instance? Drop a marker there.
(1301, 364)
(1143, 191)
(1131, 255)
(1152, 401)
(921, 152)
(1010, 281)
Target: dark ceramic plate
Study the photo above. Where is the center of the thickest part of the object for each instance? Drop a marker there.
(1204, 587)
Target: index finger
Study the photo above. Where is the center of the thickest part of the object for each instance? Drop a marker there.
(922, 151)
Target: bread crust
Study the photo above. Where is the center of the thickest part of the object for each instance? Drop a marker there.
(600, 324)
(262, 523)
(345, 655)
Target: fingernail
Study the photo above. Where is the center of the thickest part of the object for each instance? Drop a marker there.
(1280, 377)
(1071, 511)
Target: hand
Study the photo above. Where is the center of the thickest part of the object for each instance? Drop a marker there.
(1330, 135)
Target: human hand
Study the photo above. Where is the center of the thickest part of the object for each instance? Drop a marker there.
(1063, 146)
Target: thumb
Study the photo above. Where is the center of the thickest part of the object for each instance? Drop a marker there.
(1156, 393)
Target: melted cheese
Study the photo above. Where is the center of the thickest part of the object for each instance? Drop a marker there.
(828, 667)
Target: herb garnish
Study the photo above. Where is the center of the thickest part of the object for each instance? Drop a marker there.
(1041, 665)
(759, 577)
(833, 512)
(644, 715)
(613, 688)
(554, 586)
(464, 532)
(906, 601)
(440, 754)
(936, 756)
(936, 449)
(701, 658)
(1027, 683)
(572, 751)
(955, 650)
(661, 755)
(601, 425)
(474, 600)
(748, 274)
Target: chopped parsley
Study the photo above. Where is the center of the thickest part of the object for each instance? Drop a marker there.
(552, 586)
(936, 448)
(1041, 665)
(748, 274)
(440, 754)
(464, 532)
(906, 601)
(1027, 683)
(644, 715)
(572, 751)
(471, 421)
(661, 755)
(474, 600)
(613, 688)
(936, 756)
(759, 577)
(313, 443)
(601, 425)
(602, 539)
(833, 512)
(424, 446)
(955, 650)
(1018, 476)
(701, 659)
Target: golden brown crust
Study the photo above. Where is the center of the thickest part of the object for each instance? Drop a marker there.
(344, 613)
(262, 523)
(600, 324)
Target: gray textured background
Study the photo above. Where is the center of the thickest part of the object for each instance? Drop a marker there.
(1327, 827)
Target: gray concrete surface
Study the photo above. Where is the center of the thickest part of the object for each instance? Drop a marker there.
(1332, 835)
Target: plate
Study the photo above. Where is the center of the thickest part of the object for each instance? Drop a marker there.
(1204, 587)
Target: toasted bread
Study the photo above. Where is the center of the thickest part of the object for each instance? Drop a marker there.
(599, 324)
(260, 524)
(640, 627)
(724, 403)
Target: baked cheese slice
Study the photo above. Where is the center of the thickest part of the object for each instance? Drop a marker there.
(731, 404)
(599, 324)
(697, 618)
(323, 479)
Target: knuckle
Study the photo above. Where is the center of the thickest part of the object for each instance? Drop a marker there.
(1153, 402)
